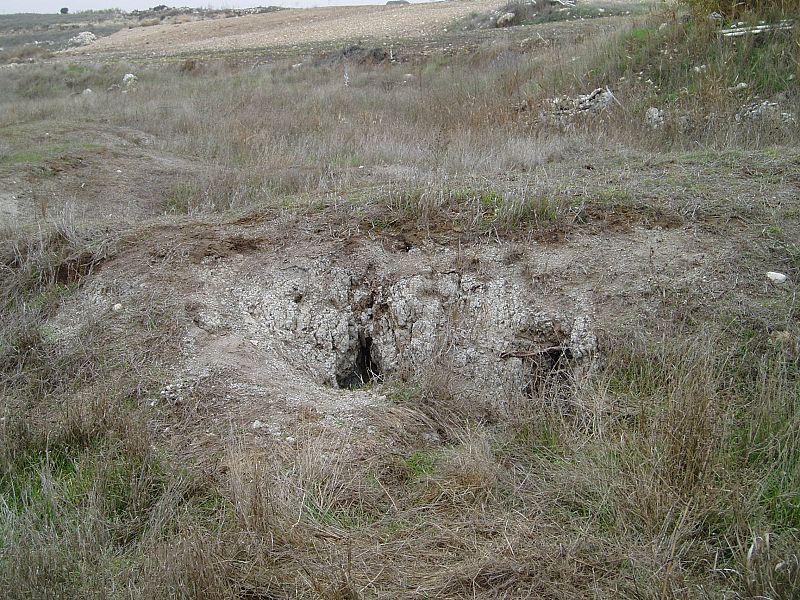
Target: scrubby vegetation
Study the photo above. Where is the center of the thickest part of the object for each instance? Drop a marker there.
(533, 12)
(287, 131)
(757, 9)
(694, 69)
(670, 470)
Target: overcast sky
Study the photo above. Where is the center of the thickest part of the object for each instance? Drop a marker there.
(53, 6)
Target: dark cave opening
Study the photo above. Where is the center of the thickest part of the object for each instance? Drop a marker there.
(363, 370)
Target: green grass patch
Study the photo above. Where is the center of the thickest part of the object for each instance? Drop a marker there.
(780, 496)
(420, 463)
(543, 439)
(348, 517)
(614, 196)
(45, 152)
(21, 483)
(404, 394)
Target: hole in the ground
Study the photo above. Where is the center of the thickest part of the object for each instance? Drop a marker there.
(548, 366)
(363, 370)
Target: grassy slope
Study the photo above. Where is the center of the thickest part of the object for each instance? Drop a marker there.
(671, 473)
(27, 36)
(31, 35)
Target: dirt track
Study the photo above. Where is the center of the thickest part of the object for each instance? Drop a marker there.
(292, 27)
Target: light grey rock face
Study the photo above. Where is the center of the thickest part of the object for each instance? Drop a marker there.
(582, 340)
(325, 320)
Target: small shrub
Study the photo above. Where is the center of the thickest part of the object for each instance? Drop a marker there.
(24, 53)
(734, 9)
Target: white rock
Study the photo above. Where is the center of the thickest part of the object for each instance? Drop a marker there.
(258, 424)
(129, 79)
(596, 101)
(431, 437)
(505, 19)
(117, 307)
(765, 110)
(87, 92)
(564, 108)
(655, 117)
(776, 277)
(84, 38)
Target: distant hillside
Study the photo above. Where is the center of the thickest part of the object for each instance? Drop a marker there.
(24, 36)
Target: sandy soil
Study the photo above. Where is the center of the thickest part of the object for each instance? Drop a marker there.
(292, 27)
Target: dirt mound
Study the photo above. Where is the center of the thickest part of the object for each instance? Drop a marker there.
(358, 55)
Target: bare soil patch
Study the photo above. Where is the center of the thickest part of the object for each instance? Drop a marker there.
(106, 173)
(292, 28)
